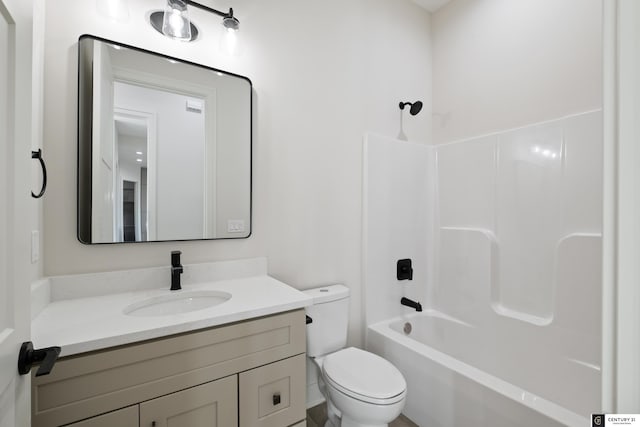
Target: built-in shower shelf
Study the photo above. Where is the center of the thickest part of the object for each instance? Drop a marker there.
(470, 271)
(519, 315)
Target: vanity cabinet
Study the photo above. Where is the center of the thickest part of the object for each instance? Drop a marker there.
(248, 374)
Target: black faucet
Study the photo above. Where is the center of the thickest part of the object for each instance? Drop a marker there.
(411, 303)
(176, 270)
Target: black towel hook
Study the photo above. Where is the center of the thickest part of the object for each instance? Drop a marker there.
(38, 155)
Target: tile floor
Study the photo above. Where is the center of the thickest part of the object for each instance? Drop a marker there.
(317, 416)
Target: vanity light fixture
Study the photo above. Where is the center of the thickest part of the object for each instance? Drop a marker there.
(174, 22)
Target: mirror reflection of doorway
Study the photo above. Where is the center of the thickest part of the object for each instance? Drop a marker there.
(134, 148)
(168, 124)
(129, 211)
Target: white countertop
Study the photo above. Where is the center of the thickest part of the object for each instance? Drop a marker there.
(89, 323)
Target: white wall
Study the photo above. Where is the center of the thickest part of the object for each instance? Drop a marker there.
(35, 217)
(323, 74)
(501, 64)
(232, 180)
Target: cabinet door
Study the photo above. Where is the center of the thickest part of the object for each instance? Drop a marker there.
(213, 404)
(127, 417)
(274, 395)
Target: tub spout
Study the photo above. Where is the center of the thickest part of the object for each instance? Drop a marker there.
(410, 303)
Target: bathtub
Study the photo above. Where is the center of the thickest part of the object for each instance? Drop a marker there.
(449, 385)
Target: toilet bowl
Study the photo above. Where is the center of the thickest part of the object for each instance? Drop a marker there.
(365, 388)
(361, 388)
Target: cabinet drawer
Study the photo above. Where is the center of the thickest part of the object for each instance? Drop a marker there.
(127, 417)
(273, 395)
(213, 404)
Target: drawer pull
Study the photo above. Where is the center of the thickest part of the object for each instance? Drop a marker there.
(153, 424)
(276, 399)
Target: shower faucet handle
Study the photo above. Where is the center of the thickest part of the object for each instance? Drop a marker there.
(404, 270)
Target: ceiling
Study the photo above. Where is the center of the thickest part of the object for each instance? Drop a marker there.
(134, 128)
(128, 148)
(431, 5)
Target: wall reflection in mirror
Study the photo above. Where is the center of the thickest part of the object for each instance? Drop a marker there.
(164, 148)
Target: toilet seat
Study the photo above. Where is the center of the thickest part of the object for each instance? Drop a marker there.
(364, 376)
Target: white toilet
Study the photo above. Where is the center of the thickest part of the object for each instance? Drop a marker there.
(361, 388)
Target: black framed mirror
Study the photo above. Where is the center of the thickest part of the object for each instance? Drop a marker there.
(164, 147)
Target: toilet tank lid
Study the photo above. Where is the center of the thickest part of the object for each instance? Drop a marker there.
(328, 293)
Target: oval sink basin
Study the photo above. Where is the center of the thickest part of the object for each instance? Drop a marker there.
(177, 302)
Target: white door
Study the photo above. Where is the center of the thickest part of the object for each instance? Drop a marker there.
(15, 163)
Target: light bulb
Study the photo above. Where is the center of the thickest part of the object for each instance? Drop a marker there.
(231, 41)
(175, 23)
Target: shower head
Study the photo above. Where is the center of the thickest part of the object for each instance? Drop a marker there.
(415, 107)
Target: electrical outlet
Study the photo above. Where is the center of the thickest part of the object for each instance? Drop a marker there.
(235, 226)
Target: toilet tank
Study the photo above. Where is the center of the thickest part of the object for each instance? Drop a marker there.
(330, 319)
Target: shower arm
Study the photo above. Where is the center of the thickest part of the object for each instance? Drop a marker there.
(401, 135)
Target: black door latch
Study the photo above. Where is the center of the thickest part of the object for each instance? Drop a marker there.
(46, 357)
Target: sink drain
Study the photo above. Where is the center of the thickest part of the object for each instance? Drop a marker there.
(407, 328)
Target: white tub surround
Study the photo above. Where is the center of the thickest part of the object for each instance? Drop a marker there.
(505, 231)
(398, 223)
(86, 312)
